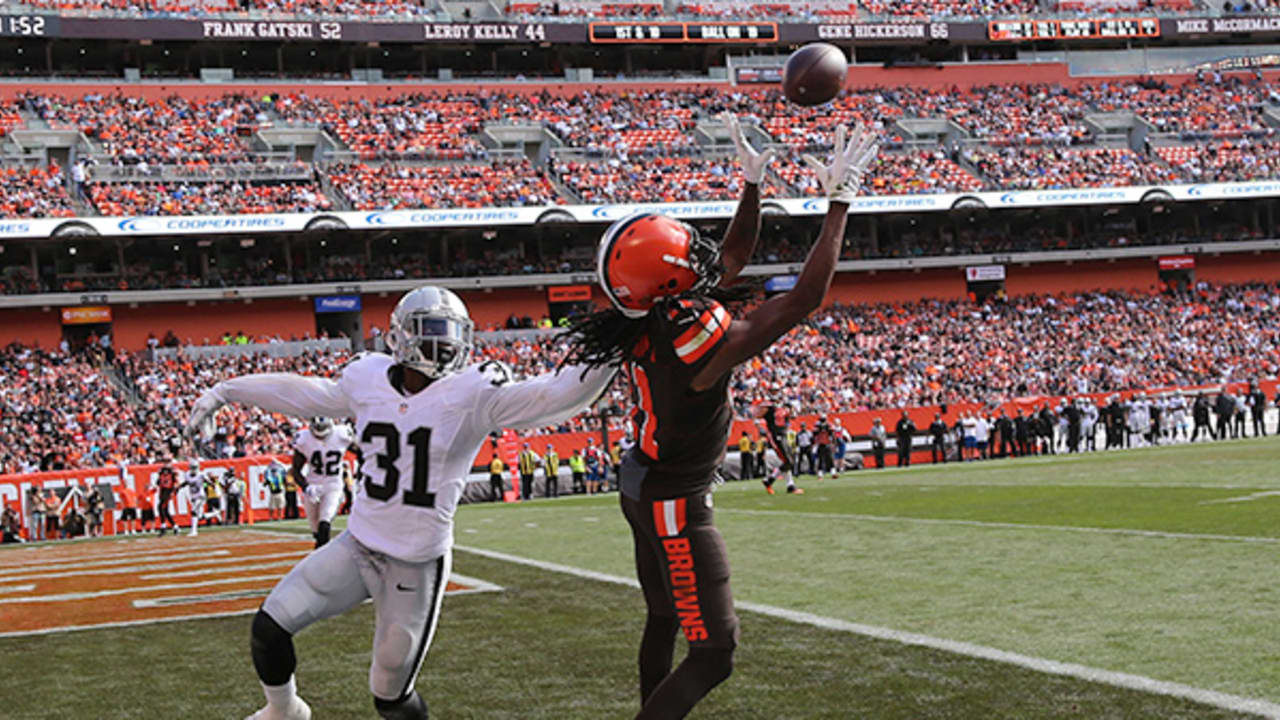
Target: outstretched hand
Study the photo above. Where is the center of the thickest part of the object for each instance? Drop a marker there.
(753, 163)
(200, 426)
(841, 179)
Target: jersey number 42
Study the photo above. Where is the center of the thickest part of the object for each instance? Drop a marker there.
(419, 442)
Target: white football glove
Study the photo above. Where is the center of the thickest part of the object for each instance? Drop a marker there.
(753, 163)
(313, 493)
(842, 179)
(201, 423)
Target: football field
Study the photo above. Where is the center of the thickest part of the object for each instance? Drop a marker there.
(1140, 584)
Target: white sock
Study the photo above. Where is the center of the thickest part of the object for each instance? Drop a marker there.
(281, 696)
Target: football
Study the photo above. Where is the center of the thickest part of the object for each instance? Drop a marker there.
(814, 74)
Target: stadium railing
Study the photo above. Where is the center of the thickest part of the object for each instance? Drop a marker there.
(200, 173)
(280, 349)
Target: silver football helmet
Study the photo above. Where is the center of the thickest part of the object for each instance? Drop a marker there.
(431, 332)
(320, 426)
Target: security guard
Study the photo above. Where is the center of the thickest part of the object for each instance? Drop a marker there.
(528, 462)
(551, 468)
(578, 466)
(495, 477)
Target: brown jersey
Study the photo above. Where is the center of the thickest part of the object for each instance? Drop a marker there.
(681, 435)
(776, 419)
(167, 480)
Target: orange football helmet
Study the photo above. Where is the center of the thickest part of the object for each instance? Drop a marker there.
(646, 257)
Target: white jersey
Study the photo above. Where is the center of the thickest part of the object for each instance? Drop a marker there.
(324, 456)
(418, 449)
(193, 481)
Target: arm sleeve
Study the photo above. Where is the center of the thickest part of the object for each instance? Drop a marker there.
(546, 399)
(288, 394)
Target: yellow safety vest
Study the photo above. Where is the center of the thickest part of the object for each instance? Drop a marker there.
(528, 462)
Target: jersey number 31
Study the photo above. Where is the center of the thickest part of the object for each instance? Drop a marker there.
(420, 442)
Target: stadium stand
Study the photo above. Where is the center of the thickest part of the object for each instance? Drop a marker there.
(1058, 168)
(664, 179)
(130, 129)
(500, 183)
(1225, 160)
(633, 146)
(234, 198)
(37, 191)
(846, 358)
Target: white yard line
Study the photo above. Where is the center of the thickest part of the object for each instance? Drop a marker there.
(16, 588)
(184, 552)
(189, 563)
(128, 623)
(64, 597)
(144, 603)
(1005, 526)
(1052, 667)
(221, 570)
(153, 549)
(1243, 498)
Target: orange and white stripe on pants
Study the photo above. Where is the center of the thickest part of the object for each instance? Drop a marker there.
(668, 517)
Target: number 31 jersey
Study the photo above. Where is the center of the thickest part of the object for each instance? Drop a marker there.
(324, 455)
(418, 449)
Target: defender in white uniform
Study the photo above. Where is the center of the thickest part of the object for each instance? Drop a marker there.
(193, 481)
(318, 458)
(420, 420)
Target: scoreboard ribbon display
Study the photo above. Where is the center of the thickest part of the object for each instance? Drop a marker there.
(1084, 29)
(682, 32)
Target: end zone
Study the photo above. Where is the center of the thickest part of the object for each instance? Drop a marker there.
(224, 571)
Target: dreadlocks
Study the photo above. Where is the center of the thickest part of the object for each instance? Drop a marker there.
(607, 337)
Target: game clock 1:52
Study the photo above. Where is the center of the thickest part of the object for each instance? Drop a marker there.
(24, 25)
(680, 32)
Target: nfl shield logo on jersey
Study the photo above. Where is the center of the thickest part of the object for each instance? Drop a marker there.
(404, 408)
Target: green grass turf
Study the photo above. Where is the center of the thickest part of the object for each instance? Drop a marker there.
(550, 646)
(898, 549)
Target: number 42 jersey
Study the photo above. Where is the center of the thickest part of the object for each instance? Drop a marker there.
(417, 449)
(324, 455)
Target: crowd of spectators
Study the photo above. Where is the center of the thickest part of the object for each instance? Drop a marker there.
(174, 131)
(659, 179)
(1208, 106)
(61, 410)
(211, 198)
(1029, 168)
(641, 145)
(1236, 160)
(499, 183)
(892, 173)
(36, 191)
(415, 126)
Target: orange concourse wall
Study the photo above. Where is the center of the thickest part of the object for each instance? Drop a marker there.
(296, 317)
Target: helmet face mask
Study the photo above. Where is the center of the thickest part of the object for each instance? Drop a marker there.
(431, 332)
(645, 258)
(320, 426)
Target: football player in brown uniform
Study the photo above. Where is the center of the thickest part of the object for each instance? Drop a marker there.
(678, 346)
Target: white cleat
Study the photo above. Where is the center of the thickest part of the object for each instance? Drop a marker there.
(193, 533)
(299, 710)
